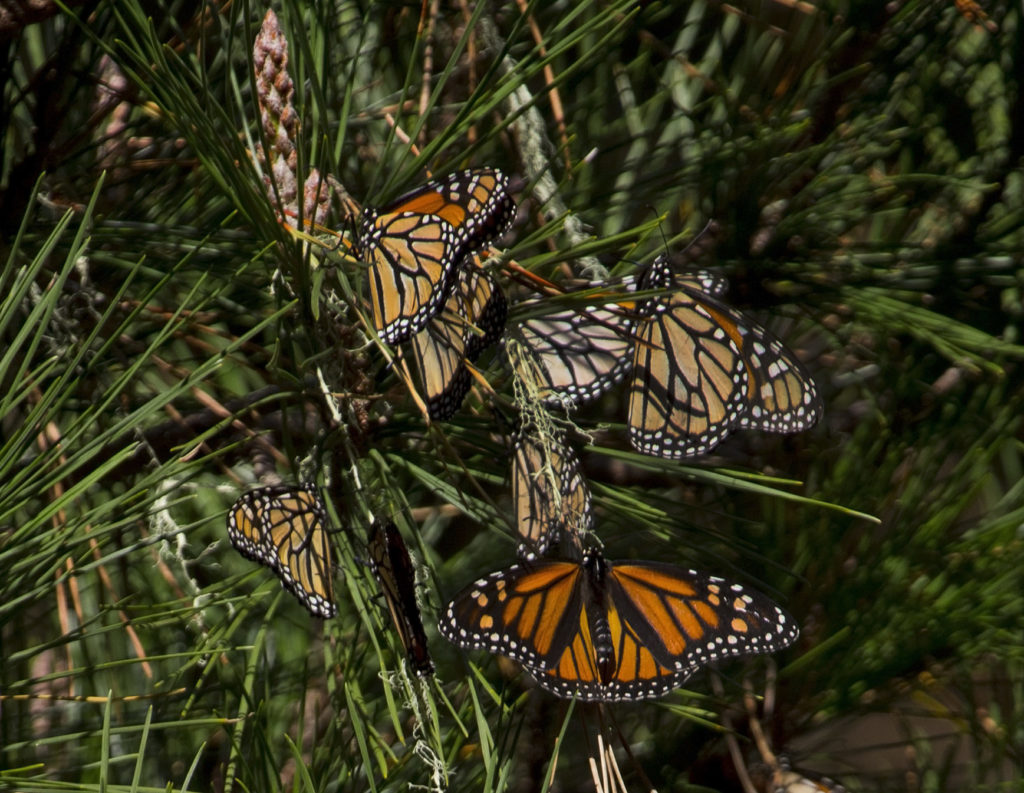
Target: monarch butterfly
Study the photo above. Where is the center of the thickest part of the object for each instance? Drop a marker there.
(394, 571)
(415, 244)
(610, 631)
(473, 319)
(283, 527)
(702, 369)
(581, 353)
(549, 493)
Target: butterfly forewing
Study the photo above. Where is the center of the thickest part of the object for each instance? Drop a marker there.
(779, 394)
(689, 380)
(477, 204)
(703, 281)
(688, 619)
(526, 612)
(296, 527)
(582, 352)
(660, 275)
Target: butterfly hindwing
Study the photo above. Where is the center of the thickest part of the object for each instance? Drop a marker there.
(473, 319)
(245, 530)
(439, 351)
(782, 396)
(484, 307)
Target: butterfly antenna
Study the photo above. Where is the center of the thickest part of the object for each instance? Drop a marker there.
(703, 242)
(700, 245)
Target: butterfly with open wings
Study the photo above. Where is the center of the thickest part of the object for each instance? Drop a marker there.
(609, 631)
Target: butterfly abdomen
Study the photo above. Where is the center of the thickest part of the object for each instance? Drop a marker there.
(599, 609)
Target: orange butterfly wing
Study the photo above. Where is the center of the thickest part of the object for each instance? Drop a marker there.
(415, 244)
(472, 319)
(608, 631)
(527, 612)
(550, 495)
(703, 369)
(689, 379)
(284, 527)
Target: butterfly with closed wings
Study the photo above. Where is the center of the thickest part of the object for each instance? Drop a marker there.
(472, 319)
(393, 568)
(702, 369)
(284, 528)
(550, 495)
(416, 244)
(609, 631)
